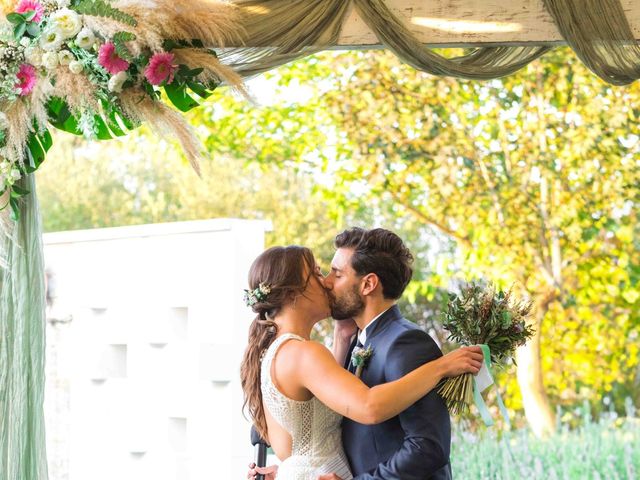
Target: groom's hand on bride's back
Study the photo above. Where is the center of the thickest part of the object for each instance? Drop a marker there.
(268, 472)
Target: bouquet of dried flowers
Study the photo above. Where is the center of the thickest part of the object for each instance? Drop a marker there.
(480, 315)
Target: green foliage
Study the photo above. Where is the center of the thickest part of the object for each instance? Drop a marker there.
(143, 179)
(593, 449)
(482, 315)
(101, 8)
(119, 40)
(38, 144)
(530, 180)
(535, 177)
(22, 23)
(111, 124)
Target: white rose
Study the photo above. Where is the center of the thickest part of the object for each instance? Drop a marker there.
(117, 81)
(67, 22)
(51, 40)
(76, 67)
(33, 56)
(4, 121)
(85, 39)
(65, 57)
(50, 60)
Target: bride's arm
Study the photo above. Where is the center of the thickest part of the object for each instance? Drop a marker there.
(343, 332)
(346, 394)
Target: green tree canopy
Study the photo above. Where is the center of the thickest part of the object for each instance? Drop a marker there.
(530, 180)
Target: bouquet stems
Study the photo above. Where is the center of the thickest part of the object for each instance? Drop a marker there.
(457, 392)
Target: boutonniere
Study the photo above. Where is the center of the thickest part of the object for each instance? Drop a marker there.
(360, 357)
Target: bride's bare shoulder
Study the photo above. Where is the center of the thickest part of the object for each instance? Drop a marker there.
(305, 350)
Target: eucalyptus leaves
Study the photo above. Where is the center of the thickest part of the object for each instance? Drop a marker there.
(483, 316)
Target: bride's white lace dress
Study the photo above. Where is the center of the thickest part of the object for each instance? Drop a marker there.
(314, 428)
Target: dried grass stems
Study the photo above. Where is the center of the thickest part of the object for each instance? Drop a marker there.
(214, 70)
(76, 90)
(215, 23)
(21, 116)
(164, 121)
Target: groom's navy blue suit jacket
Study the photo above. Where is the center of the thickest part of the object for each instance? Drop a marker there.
(414, 445)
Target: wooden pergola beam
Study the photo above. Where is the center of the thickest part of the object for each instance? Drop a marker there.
(472, 22)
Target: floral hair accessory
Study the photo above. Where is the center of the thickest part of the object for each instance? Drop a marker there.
(251, 297)
(360, 357)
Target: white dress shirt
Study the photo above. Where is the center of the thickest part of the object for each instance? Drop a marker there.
(362, 336)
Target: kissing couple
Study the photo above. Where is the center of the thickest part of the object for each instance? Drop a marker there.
(367, 409)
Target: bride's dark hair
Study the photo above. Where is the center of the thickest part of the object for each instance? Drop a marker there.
(282, 269)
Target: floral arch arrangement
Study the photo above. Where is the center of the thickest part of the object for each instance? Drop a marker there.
(100, 69)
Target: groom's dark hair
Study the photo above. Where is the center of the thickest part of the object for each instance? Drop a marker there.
(381, 252)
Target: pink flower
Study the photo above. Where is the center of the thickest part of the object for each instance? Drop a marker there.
(31, 6)
(160, 68)
(26, 79)
(109, 59)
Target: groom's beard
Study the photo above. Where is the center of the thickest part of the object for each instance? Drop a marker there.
(348, 306)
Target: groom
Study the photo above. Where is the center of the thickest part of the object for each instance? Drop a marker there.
(369, 272)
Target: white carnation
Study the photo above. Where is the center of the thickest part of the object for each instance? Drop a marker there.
(51, 40)
(117, 81)
(76, 67)
(65, 57)
(50, 60)
(85, 39)
(67, 22)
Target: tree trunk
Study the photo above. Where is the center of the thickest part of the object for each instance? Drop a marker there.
(537, 407)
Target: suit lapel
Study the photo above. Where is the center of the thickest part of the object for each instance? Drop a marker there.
(380, 325)
(347, 362)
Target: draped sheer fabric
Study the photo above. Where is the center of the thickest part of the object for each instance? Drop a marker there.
(22, 348)
(280, 31)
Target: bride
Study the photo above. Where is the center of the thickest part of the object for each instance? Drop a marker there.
(296, 391)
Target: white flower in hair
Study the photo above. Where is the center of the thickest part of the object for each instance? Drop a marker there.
(251, 297)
